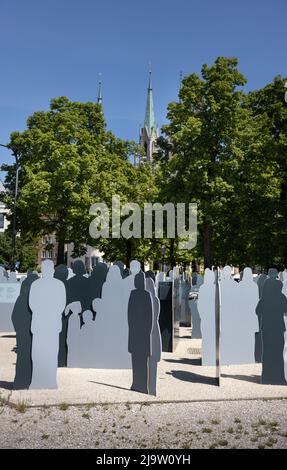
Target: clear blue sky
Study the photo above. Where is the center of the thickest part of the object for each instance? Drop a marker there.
(50, 48)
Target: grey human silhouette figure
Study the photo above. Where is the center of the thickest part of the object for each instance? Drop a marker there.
(21, 319)
(62, 273)
(156, 344)
(262, 278)
(78, 289)
(273, 273)
(95, 282)
(270, 310)
(120, 265)
(140, 320)
(150, 274)
(47, 301)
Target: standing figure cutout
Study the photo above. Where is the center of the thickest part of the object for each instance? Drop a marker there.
(62, 273)
(21, 319)
(271, 309)
(47, 301)
(140, 318)
(156, 344)
(206, 309)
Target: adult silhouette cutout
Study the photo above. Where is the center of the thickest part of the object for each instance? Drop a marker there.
(284, 291)
(62, 273)
(110, 350)
(126, 273)
(230, 317)
(121, 266)
(156, 344)
(271, 309)
(96, 280)
(82, 354)
(74, 335)
(150, 274)
(12, 277)
(21, 319)
(247, 325)
(47, 301)
(78, 288)
(206, 309)
(140, 319)
(260, 283)
(185, 312)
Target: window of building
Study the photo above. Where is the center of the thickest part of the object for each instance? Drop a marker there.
(1, 221)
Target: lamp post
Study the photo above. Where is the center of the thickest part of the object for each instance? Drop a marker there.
(14, 228)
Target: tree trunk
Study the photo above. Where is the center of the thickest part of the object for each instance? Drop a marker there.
(128, 253)
(207, 246)
(171, 254)
(61, 252)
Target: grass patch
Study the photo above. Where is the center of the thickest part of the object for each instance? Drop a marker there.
(237, 420)
(21, 406)
(63, 406)
(215, 421)
(270, 442)
(230, 430)
(222, 443)
(206, 430)
(86, 415)
(45, 436)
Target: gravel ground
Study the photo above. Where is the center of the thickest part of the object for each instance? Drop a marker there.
(228, 424)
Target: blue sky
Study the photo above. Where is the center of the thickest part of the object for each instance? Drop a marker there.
(50, 48)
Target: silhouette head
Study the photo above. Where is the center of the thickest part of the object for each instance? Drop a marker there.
(247, 275)
(208, 276)
(135, 267)
(114, 274)
(140, 281)
(47, 269)
(88, 317)
(126, 273)
(121, 265)
(100, 271)
(61, 272)
(273, 273)
(227, 271)
(79, 268)
(171, 274)
(150, 286)
(150, 274)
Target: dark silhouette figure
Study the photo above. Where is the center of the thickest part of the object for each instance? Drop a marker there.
(150, 274)
(121, 266)
(126, 273)
(140, 319)
(95, 283)
(62, 273)
(78, 288)
(260, 283)
(270, 310)
(21, 319)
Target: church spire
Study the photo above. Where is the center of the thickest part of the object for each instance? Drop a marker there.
(149, 122)
(100, 97)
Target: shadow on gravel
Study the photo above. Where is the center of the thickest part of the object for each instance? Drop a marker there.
(6, 385)
(108, 385)
(191, 377)
(246, 378)
(190, 362)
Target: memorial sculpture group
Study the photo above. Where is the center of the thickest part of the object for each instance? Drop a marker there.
(253, 317)
(109, 319)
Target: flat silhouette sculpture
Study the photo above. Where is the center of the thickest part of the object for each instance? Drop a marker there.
(206, 309)
(47, 301)
(74, 335)
(150, 274)
(230, 318)
(140, 319)
(185, 311)
(96, 280)
(284, 291)
(156, 344)
(21, 319)
(271, 309)
(78, 287)
(121, 266)
(110, 349)
(62, 273)
(247, 325)
(83, 353)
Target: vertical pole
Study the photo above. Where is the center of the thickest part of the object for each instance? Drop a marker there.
(14, 228)
(217, 323)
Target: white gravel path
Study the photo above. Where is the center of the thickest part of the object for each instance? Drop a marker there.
(229, 424)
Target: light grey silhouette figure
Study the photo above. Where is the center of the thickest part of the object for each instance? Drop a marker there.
(206, 309)
(140, 319)
(12, 277)
(156, 344)
(230, 317)
(111, 324)
(47, 301)
(247, 324)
